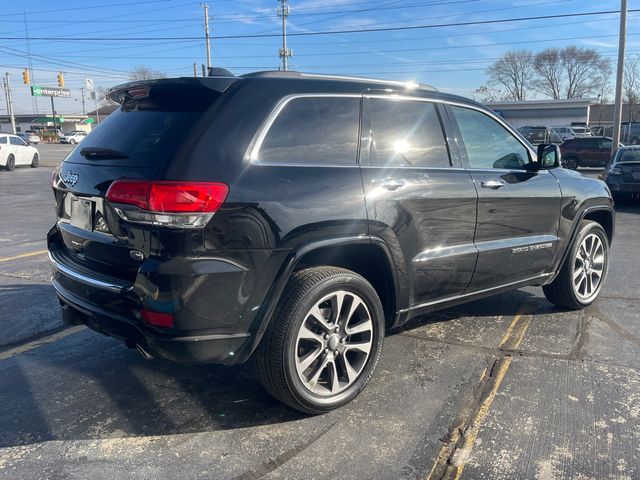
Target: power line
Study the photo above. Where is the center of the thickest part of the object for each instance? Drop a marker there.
(330, 32)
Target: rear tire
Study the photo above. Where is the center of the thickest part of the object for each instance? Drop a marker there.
(35, 161)
(11, 163)
(584, 270)
(324, 341)
(570, 162)
(72, 141)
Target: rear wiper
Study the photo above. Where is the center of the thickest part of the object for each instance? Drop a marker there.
(97, 153)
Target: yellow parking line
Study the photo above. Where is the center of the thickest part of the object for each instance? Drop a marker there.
(472, 433)
(513, 336)
(22, 255)
(41, 341)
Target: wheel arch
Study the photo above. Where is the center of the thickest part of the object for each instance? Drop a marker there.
(360, 254)
(601, 214)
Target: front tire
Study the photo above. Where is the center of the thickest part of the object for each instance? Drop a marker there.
(584, 271)
(571, 163)
(324, 341)
(11, 163)
(72, 141)
(35, 161)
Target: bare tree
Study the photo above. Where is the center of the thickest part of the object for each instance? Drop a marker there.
(513, 71)
(586, 70)
(548, 66)
(486, 94)
(144, 73)
(632, 80)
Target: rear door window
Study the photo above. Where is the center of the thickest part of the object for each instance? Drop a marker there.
(3, 140)
(314, 131)
(402, 133)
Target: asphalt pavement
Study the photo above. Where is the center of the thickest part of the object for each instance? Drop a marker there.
(503, 388)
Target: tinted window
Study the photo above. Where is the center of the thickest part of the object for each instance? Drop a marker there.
(3, 140)
(403, 132)
(488, 144)
(604, 144)
(149, 131)
(314, 131)
(17, 141)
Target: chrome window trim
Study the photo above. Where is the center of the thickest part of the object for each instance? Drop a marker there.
(263, 130)
(258, 140)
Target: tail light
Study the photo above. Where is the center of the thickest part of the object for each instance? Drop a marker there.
(167, 203)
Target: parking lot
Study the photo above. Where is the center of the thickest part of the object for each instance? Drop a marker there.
(503, 388)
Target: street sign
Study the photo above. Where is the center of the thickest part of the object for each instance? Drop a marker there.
(50, 92)
(89, 83)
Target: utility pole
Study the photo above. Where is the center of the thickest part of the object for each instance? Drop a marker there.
(33, 80)
(617, 116)
(285, 53)
(83, 109)
(195, 70)
(7, 90)
(206, 34)
(55, 128)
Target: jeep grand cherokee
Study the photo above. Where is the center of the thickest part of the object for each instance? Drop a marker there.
(294, 218)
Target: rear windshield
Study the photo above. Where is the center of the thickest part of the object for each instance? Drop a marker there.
(628, 156)
(148, 138)
(149, 132)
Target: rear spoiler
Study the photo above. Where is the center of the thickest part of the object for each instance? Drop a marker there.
(143, 89)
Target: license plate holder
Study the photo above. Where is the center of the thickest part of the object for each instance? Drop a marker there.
(82, 213)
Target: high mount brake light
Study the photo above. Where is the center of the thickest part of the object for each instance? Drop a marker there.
(170, 203)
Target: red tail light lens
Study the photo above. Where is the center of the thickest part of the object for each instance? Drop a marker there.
(157, 319)
(169, 196)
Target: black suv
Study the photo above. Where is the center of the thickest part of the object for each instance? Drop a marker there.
(295, 218)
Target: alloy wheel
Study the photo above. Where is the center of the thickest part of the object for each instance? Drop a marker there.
(333, 343)
(589, 267)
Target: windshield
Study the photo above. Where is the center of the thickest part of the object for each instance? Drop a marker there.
(628, 156)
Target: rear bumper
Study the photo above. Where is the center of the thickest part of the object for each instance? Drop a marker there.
(214, 302)
(624, 187)
(215, 348)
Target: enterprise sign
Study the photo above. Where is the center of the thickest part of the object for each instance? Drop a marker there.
(50, 92)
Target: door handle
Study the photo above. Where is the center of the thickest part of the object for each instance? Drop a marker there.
(494, 184)
(392, 184)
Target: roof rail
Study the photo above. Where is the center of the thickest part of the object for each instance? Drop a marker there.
(294, 74)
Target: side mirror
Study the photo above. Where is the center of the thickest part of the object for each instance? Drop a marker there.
(549, 156)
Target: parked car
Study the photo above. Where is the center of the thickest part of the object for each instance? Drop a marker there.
(73, 137)
(581, 131)
(564, 133)
(30, 138)
(623, 173)
(590, 152)
(295, 218)
(14, 152)
(540, 134)
(630, 133)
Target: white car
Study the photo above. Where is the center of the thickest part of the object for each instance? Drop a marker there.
(14, 152)
(30, 137)
(73, 137)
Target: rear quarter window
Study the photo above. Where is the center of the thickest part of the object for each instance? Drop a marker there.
(313, 131)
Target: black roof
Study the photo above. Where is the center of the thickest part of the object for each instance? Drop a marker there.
(283, 82)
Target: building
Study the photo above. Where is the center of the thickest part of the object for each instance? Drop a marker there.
(66, 123)
(549, 113)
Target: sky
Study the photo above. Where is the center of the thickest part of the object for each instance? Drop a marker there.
(105, 40)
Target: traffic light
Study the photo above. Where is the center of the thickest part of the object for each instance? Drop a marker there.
(25, 77)
(60, 80)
